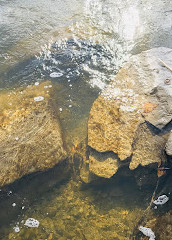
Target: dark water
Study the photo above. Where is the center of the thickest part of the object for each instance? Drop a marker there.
(85, 43)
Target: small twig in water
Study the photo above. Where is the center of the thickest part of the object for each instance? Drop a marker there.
(165, 65)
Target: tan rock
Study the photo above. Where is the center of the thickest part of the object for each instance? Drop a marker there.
(138, 93)
(30, 134)
(110, 128)
(147, 148)
(103, 164)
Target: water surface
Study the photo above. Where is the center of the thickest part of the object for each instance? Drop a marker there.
(84, 43)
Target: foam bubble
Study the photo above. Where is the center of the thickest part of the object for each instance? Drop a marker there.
(161, 200)
(147, 232)
(38, 99)
(56, 74)
(16, 229)
(32, 223)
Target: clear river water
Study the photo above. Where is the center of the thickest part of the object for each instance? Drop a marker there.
(86, 42)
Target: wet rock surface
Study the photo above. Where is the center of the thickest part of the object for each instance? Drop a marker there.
(147, 148)
(140, 93)
(30, 133)
(103, 165)
(168, 146)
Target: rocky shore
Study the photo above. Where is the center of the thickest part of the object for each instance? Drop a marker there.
(128, 125)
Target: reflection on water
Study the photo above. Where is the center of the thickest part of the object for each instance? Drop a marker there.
(79, 46)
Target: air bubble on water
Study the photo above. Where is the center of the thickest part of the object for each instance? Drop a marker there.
(161, 200)
(16, 229)
(147, 232)
(32, 223)
(36, 83)
(38, 99)
(56, 74)
(14, 204)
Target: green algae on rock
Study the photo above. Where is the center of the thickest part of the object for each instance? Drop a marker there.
(30, 133)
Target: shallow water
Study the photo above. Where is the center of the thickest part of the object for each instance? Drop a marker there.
(79, 46)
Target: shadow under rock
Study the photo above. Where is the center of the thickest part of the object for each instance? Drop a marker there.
(15, 198)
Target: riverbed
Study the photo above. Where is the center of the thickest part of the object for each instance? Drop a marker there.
(79, 46)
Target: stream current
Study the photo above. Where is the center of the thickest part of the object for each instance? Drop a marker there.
(79, 45)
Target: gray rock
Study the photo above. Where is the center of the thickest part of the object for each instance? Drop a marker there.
(168, 147)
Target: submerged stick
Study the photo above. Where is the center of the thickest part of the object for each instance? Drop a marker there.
(143, 217)
(165, 65)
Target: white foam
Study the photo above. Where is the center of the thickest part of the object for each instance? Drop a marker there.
(32, 223)
(161, 200)
(38, 99)
(56, 74)
(16, 229)
(147, 232)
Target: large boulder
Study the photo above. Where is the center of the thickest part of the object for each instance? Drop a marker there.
(30, 133)
(140, 93)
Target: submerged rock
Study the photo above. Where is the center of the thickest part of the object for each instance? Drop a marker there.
(103, 165)
(30, 133)
(139, 94)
